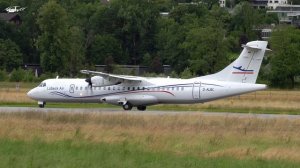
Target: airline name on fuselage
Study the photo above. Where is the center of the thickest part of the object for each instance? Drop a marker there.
(55, 88)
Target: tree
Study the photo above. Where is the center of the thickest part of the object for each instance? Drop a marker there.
(245, 17)
(28, 31)
(53, 42)
(156, 65)
(136, 27)
(285, 60)
(104, 46)
(207, 49)
(10, 55)
(170, 36)
(76, 51)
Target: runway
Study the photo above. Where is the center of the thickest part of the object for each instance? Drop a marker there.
(147, 112)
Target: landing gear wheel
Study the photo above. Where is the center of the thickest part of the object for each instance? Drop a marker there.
(42, 104)
(141, 108)
(127, 106)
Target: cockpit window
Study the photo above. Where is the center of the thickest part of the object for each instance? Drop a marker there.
(43, 84)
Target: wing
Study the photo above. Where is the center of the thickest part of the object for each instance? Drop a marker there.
(115, 78)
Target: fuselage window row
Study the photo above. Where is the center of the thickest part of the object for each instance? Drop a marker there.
(130, 88)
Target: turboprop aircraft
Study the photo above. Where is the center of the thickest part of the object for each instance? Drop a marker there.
(133, 91)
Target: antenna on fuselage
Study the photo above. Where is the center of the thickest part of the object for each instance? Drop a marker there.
(57, 77)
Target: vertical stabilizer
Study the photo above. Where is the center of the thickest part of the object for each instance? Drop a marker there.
(246, 67)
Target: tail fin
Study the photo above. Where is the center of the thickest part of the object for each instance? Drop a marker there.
(246, 67)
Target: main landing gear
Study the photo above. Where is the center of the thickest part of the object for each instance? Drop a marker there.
(141, 108)
(129, 106)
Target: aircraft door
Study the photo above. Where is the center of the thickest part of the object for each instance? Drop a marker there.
(72, 88)
(196, 90)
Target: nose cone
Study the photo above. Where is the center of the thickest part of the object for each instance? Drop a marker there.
(32, 94)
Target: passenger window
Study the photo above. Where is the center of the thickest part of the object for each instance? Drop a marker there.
(113, 88)
(80, 87)
(85, 88)
(76, 88)
(128, 88)
(104, 88)
(133, 88)
(124, 88)
(182, 88)
(138, 88)
(108, 88)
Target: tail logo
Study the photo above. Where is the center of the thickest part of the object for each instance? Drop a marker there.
(241, 70)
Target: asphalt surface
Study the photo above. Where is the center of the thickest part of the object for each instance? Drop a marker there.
(147, 112)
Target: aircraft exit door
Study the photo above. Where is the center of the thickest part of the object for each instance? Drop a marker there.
(196, 90)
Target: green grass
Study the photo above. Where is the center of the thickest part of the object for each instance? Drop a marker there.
(75, 154)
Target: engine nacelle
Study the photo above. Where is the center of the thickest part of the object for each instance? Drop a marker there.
(99, 81)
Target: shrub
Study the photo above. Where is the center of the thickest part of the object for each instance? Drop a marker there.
(186, 74)
(28, 76)
(17, 75)
(3, 75)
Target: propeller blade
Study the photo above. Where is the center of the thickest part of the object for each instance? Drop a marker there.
(89, 81)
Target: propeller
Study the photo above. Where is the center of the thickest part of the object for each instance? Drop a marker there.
(89, 81)
(90, 84)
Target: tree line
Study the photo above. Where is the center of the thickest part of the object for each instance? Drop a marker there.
(200, 38)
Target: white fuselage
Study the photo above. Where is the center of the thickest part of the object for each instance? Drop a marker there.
(149, 92)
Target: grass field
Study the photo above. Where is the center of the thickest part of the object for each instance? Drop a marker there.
(124, 140)
(37, 139)
(269, 101)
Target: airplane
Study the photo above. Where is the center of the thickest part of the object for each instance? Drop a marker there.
(237, 78)
(13, 9)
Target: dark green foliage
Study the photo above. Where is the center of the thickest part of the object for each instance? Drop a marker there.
(53, 42)
(66, 36)
(104, 46)
(10, 56)
(75, 53)
(29, 76)
(156, 65)
(3, 75)
(207, 50)
(186, 74)
(17, 75)
(285, 60)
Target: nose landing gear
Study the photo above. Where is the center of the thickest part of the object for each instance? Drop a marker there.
(41, 104)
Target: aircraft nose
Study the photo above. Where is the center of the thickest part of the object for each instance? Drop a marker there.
(31, 93)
